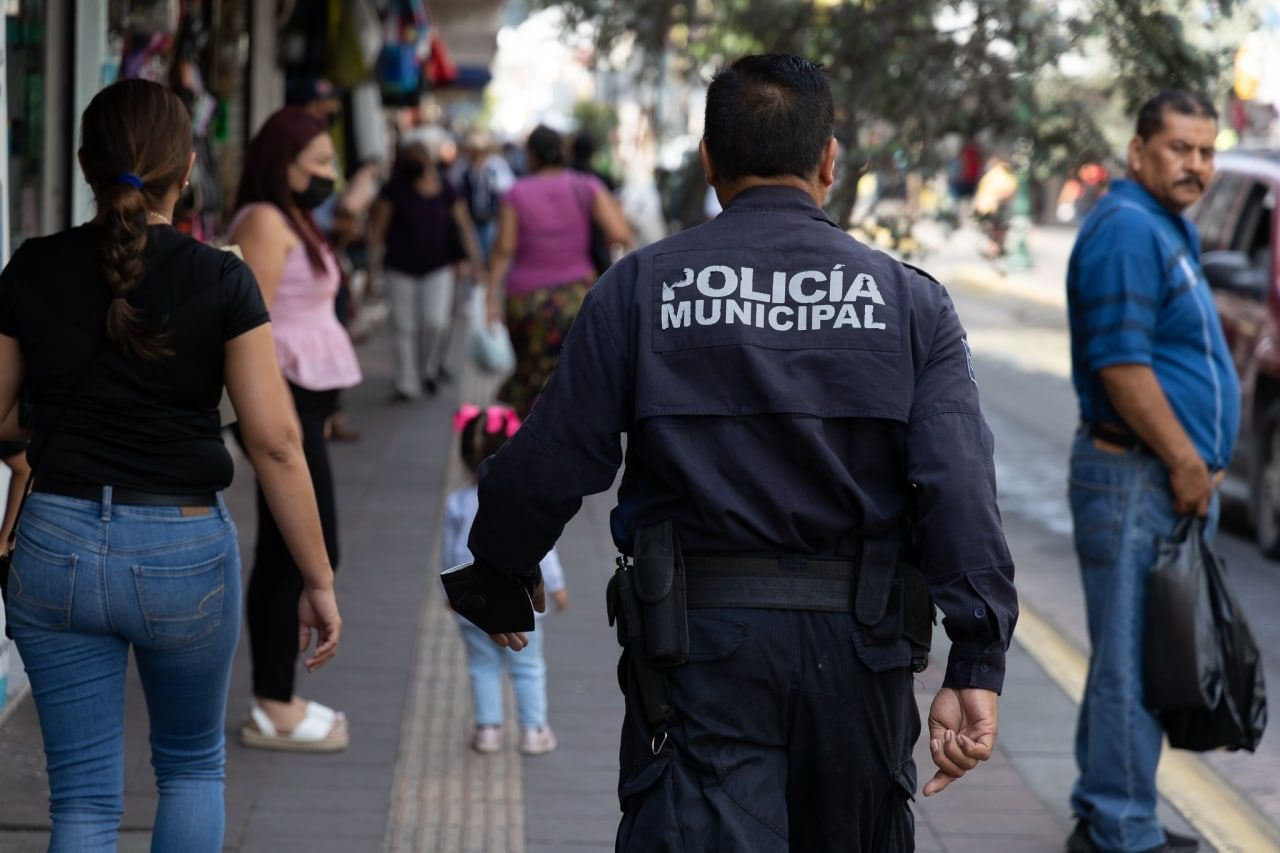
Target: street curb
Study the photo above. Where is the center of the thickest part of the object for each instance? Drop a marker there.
(977, 277)
(1224, 817)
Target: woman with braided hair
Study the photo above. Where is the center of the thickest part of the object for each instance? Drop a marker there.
(125, 332)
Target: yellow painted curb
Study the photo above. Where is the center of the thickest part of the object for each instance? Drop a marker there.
(989, 279)
(1225, 819)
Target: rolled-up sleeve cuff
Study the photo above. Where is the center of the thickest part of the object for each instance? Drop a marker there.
(979, 667)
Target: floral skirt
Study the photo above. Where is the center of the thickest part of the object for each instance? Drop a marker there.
(538, 322)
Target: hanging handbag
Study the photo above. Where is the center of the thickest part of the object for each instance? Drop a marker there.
(597, 243)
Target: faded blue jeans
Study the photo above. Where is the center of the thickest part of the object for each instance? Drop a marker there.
(89, 579)
(486, 661)
(1122, 507)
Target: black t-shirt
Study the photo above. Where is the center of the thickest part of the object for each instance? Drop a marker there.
(152, 426)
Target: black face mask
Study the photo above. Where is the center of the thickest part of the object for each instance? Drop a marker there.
(413, 169)
(318, 189)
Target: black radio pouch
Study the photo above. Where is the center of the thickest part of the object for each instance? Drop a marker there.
(919, 615)
(660, 586)
(891, 600)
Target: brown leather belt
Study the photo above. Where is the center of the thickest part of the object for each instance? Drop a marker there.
(1118, 436)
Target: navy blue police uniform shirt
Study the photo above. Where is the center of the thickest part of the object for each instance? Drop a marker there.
(784, 390)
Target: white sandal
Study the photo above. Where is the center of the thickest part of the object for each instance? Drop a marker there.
(321, 729)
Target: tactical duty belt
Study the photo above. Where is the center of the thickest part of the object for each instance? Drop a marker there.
(779, 583)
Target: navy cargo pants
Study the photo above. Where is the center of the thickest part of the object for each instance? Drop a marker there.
(793, 733)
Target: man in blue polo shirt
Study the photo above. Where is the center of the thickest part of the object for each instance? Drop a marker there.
(1160, 406)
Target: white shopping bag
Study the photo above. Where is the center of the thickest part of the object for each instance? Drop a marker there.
(490, 344)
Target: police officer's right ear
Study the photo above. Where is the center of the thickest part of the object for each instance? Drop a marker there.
(827, 166)
(708, 168)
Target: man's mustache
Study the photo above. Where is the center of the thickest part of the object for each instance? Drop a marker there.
(1190, 180)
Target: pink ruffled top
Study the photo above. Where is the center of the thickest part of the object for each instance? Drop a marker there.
(313, 349)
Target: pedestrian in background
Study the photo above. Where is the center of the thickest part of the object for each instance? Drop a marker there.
(993, 205)
(126, 332)
(801, 422)
(483, 179)
(288, 171)
(418, 228)
(1160, 409)
(541, 269)
(481, 433)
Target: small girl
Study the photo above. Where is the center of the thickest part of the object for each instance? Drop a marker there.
(483, 431)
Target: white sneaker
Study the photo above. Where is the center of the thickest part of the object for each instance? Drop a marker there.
(487, 739)
(537, 741)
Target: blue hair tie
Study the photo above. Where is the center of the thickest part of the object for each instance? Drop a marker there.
(131, 179)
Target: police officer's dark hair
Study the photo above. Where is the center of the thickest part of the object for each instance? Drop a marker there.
(769, 115)
(1151, 114)
(546, 147)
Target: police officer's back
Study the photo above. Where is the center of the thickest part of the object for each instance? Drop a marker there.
(802, 431)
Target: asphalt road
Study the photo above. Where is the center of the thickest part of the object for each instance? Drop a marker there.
(1021, 351)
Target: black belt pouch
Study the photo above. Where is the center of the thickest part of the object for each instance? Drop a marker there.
(660, 586)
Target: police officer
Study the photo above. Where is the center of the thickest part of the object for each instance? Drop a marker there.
(802, 425)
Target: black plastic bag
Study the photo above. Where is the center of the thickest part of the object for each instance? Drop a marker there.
(1182, 659)
(1203, 672)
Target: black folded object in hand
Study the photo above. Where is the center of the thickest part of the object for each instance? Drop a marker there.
(493, 601)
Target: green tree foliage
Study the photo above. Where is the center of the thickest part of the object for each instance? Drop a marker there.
(907, 73)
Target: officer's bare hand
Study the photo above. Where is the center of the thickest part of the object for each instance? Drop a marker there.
(962, 732)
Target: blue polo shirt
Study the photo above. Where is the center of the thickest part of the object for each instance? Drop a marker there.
(1136, 295)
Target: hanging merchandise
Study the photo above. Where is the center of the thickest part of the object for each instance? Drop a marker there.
(441, 70)
(368, 124)
(149, 27)
(304, 39)
(355, 42)
(406, 48)
(198, 206)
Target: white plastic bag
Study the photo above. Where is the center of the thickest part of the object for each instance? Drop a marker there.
(490, 344)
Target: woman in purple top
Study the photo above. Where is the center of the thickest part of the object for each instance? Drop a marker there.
(543, 256)
(420, 227)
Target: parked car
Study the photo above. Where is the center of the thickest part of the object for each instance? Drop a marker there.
(1238, 233)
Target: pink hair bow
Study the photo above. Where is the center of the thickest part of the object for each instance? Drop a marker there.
(501, 419)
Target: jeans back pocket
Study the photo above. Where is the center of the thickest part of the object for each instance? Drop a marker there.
(181, 604)
(41, 584)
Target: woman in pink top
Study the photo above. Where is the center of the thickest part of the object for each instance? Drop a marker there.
(289, 170)
(543, 256)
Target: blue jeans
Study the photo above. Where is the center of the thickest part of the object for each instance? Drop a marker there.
(1122, 507)
(485, 663)
(88, 580)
